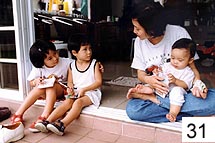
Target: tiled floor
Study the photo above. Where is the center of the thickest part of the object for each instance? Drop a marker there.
(92, 129)
(84, 130)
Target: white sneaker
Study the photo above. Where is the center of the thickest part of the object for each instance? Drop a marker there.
(11, 132)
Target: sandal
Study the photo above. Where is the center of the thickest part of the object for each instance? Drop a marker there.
(16, 118)
(32, 126)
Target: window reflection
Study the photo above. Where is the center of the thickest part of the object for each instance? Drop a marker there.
(7, 45)
(6, 13)
(8, 76)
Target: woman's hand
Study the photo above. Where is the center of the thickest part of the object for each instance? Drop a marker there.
(199, 89)
(101, 67)
(157, 84)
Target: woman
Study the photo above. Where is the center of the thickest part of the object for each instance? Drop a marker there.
(153, 47)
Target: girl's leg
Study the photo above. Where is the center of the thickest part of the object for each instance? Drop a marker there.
(56, 114)
(60, 110)
(33, 95)
(76, 109)
(51, 97)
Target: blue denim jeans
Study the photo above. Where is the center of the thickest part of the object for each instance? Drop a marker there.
(147, 111)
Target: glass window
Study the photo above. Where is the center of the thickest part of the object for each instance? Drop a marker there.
(7, 45)
(6, 13)
(8, 65)
(8, 75)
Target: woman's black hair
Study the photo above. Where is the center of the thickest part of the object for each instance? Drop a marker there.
(186, 43)
(38, 52)
(77, 40)
(150, 16)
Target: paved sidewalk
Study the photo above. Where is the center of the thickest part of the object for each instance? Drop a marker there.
(75, 133)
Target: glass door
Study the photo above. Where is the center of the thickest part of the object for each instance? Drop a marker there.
(15, 40)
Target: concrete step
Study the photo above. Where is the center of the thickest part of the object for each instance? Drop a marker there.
(117, 122)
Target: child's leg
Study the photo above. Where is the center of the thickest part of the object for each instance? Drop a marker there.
(51, 97)
(33, 95)
(139, 89)
(76, 109)
(176, 97)
(173, 112)
(60, 110)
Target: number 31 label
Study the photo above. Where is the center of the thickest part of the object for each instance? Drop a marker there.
(198, 129)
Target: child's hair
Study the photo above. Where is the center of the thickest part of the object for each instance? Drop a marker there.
(77, 40)
(186, 43)
(149, 14)
(38, 52)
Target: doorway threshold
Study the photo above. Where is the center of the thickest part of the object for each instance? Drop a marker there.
(120, 115)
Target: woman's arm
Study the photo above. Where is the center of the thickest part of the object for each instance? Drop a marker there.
(177, 82)
(195, 90)
(195, 70)
(153, 80)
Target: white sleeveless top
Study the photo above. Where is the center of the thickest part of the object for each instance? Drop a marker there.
(85, 78)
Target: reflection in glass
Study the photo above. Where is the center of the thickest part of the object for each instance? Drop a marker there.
(6, 13)
(7, 45)
(8, 76)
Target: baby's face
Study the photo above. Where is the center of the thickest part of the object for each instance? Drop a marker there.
(52, 59)
(180, 58)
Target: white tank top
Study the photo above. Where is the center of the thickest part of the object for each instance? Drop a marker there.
(83, 78)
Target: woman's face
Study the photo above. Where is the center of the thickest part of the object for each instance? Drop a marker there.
(52, 59)
(139, 30)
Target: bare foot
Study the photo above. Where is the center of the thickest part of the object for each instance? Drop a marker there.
(130, 93)
(133, 94)
(144, 89)
(171, 117)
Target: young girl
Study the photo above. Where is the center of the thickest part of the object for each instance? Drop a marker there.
(179, 76)
(47, 64)
(84, 81)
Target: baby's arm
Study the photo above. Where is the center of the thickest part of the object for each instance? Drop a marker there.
(176, 81)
